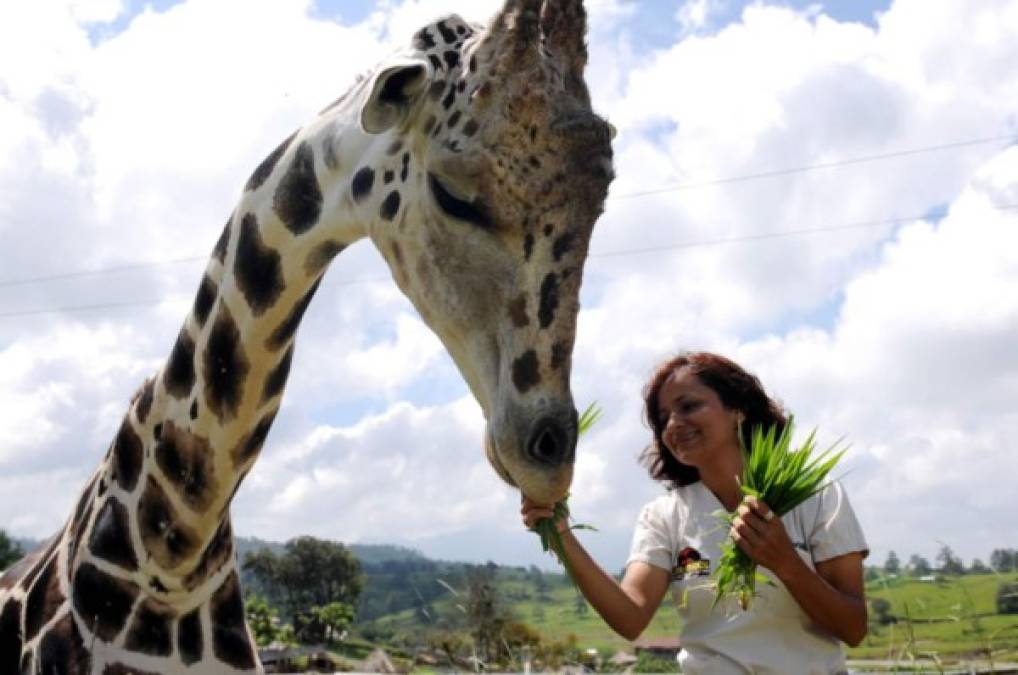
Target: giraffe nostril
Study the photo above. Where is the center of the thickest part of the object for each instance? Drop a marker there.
(550, 443)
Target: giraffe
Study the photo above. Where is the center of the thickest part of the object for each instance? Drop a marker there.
(474, 164)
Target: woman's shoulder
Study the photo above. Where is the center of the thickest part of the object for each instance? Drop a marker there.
(674, 502)
(830, 493)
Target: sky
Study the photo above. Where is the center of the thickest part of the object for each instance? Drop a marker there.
(826, 192)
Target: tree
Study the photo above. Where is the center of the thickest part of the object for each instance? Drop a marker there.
(919, 565)
(10, 551)
(311, 573)
(978, 567)
(335, 617)
(484, 612)
(540, 584)
(1004, 559)
(261, 617)
(1007, 598)
(892, 565)
(452, 643)
(580, 605)
(949, 562)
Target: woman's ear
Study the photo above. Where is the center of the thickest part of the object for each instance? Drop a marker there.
(393, 92)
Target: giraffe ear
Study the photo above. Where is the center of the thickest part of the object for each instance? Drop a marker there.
(393, 92)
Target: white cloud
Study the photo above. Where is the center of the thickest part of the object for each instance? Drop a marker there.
(900, 335)
(408, 472)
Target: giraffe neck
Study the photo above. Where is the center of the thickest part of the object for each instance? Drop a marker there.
(143, 577)
(196, 429)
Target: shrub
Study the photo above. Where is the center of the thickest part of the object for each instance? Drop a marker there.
(882, 611)
(648, 663)
(1007, 598)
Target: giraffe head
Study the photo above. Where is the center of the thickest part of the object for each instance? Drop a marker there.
(481, 174)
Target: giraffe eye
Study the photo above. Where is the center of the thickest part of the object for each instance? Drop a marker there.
(469, 211)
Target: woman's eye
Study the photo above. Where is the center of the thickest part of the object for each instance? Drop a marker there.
(472, 212)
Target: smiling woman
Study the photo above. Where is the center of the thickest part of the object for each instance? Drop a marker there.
(697, 405)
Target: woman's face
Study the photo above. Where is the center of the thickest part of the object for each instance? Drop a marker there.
(698, 428)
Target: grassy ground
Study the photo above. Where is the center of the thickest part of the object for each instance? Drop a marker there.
(953, 619)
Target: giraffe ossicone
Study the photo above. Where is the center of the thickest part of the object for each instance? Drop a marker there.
(474, 163)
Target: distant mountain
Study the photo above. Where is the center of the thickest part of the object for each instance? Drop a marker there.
(398, 578)
(28, 545)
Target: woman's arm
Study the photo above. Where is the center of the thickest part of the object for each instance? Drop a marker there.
(833, 596)
(627, 606)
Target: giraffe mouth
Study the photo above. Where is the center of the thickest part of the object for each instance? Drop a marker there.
(496, 463)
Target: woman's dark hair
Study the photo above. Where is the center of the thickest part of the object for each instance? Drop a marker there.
(737, 389)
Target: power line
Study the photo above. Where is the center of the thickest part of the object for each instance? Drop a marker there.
(815, 167)
(770, 235)
(150, 303)
(106, 270)
(674, 188)
(637, 251)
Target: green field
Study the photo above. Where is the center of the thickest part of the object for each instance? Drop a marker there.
(953, 618)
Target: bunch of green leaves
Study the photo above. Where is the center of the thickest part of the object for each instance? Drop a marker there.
(547, 528)
(782, 478)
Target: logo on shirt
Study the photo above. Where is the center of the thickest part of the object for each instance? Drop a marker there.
(690, 563)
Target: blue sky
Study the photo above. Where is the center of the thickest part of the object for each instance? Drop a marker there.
(124, 142)
(654, 21)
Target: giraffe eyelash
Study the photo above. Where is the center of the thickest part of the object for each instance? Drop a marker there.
(471, 212)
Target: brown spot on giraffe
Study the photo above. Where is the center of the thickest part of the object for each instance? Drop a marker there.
(230, 640)
(190, 641)
(166, 538)
(518, 312)
(217, 554)
(103, 602)
(549, 300)
(62, 650)
(127, 457)
(526, 372)
(223, 243)
(560, 352)
(298, 197)
(43, 599)
(224, 366)
(321, 256)
(251, 444)
(276, 380)
(10, 637)
(264, 169)
(178, 377)
(150, 631)
(143, 400)
(285, 331)
(257, 268)
(111, 536)
(187, 462)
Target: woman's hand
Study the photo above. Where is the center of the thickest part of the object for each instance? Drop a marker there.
(761, 535)
(534, 512)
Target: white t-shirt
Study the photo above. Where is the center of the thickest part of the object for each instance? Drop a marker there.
(681, 532)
